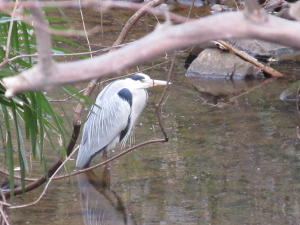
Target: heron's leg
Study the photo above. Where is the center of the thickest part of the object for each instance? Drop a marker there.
(106, 171)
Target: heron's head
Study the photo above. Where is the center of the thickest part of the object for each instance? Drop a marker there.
(142, 80)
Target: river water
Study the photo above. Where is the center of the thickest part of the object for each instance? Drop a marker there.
(231, 158)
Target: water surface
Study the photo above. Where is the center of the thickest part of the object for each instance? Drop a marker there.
(232, 163)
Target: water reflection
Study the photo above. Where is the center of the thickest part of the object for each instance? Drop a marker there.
(100, 204)
(215, 90)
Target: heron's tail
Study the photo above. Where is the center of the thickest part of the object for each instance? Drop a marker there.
(83, 158)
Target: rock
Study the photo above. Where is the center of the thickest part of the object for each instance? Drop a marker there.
(215, 64)
(261, 49)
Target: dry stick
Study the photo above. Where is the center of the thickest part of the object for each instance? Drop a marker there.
(190, 11)
(10, 32)
(16, 176)
(111, 159)
(47, 185)
(5, 220)
(4, 215)
(6, 59)
(5, 204)
(158, 104)
(76, 129)
(83, 24)
(245, 56)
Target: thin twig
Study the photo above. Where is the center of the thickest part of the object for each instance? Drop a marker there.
(16, 176)
(10, 31)
(4, 203)
(47, 185)
(158, 104)
(83, 24)
(111, 159)
(4, 215)
(3, 196)
(5, 220)
(192, 5)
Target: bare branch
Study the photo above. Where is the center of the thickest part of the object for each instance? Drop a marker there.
(43, 40)
(47, 185)
(159, 103)
(163, 39)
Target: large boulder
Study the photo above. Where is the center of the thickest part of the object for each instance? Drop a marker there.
(216, 64)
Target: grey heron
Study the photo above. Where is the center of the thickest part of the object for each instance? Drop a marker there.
(113, 116)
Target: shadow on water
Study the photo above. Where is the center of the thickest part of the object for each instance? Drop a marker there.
(99, 204)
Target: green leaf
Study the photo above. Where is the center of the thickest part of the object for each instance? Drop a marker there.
(15, 37)
(75, 93)
(32, 123)
(57, 121)
(69, 42)
(21, 149)
(49, 18)
(26, 41)
(9, 159)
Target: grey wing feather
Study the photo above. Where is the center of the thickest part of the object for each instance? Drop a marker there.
(103, 126)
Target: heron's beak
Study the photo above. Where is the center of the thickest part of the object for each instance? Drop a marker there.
(157, 82)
